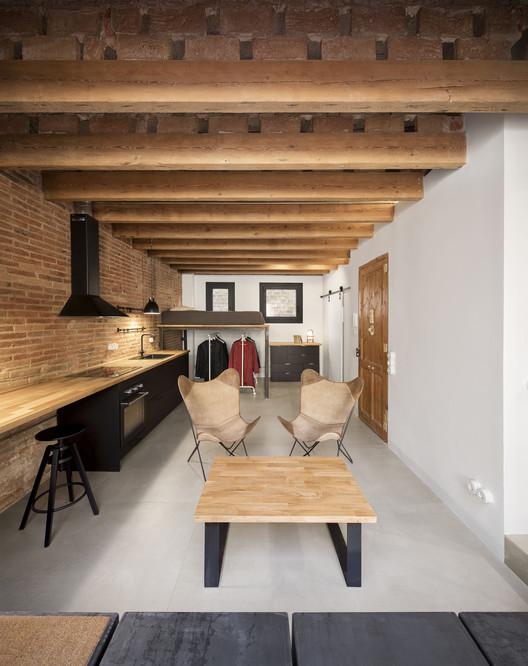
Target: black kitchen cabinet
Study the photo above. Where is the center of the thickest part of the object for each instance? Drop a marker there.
(288, 361)
(102, 444)
(162, 385)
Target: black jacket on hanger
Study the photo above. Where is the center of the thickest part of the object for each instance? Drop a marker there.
(219, 358)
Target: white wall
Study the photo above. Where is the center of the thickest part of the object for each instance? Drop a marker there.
(516, 325)
(445, 327)
(247, 298)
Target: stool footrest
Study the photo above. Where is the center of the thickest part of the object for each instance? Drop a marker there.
(63, 506)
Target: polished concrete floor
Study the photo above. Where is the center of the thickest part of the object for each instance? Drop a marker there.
(145, 553)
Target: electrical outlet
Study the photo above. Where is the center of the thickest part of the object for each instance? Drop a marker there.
(112, 346)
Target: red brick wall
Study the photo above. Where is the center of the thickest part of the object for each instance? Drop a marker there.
(35, 343)
(35, 283)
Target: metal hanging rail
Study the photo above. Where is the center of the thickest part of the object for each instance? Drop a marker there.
(339, 291)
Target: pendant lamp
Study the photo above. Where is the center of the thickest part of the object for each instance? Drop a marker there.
(151, 308)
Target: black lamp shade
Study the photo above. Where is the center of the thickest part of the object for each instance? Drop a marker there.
(151, 307)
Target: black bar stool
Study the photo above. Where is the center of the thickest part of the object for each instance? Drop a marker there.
(62, 456)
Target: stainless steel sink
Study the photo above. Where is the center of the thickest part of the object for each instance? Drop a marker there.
(148, 357)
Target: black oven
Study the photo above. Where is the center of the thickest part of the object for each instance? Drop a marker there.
(133, 414)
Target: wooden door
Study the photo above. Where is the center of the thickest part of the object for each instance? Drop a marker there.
(374, 344)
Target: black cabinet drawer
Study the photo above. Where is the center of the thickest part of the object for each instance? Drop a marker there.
(285, 376)
(303, 353)
(279, 354)
(286, 367)
(302, 358)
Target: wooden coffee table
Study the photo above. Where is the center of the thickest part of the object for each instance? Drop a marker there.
(283, 490)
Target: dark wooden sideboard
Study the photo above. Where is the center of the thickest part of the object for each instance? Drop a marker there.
(288, 360)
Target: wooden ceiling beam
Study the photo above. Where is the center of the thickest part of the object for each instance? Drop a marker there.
(230, 231)
(262, 271)
(221, 152)
(141, 86)
(249, 261)
(189, 213)
(237, 186)
(257, 268)
(313, 245)
(212, 254)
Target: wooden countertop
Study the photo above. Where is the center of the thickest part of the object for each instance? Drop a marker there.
(295, 344)
(26, 403)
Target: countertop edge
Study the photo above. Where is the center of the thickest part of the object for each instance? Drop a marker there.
(21, 397)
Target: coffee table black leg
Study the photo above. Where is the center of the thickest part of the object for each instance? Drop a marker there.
(349, 553)
(215, 540)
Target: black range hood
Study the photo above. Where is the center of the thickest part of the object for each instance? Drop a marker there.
(85, 300)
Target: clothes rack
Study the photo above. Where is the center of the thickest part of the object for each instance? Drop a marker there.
(185, 327)
(244, 338)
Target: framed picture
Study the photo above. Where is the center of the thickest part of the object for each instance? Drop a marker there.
(281, 302)
(219, 296)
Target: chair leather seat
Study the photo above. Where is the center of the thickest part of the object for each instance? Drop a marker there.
(306, 429)
(229, 431)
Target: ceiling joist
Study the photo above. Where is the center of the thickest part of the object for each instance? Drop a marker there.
(237, 186)
(221, 152)
(249, 261)
(313, 245)
(272, 255)
(298, 230)
(177, 86)
(189, 213)
(272, 269)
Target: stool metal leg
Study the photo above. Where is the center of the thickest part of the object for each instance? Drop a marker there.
(36, 485)
(69, 480)
(80, 468)
(51, 495)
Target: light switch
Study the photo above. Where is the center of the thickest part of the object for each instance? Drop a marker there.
(391, 363)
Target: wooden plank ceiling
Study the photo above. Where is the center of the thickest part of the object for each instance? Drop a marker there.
(283, 203)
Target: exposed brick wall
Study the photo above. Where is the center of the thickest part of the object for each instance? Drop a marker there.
(261, 30)
(35, 283)
(20, 457)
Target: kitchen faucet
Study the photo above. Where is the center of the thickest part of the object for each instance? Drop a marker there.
(150, 336)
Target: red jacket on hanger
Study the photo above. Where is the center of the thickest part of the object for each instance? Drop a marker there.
(250, 361)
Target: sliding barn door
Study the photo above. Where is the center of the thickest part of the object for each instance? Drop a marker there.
(374, 344)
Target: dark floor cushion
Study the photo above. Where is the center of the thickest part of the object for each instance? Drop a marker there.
(502, 637)
(201, 639)
(382, 639)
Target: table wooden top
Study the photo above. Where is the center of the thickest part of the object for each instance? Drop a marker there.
(273, 489)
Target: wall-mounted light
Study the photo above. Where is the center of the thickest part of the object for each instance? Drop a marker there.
(310, 336)
(151, 307)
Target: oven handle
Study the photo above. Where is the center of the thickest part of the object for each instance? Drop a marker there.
(137, 396)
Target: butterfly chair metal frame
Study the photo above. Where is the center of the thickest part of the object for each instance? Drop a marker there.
(214, 412)
(325, 422)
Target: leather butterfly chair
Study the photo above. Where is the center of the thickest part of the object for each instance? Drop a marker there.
(214, 412)
(326, 408)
